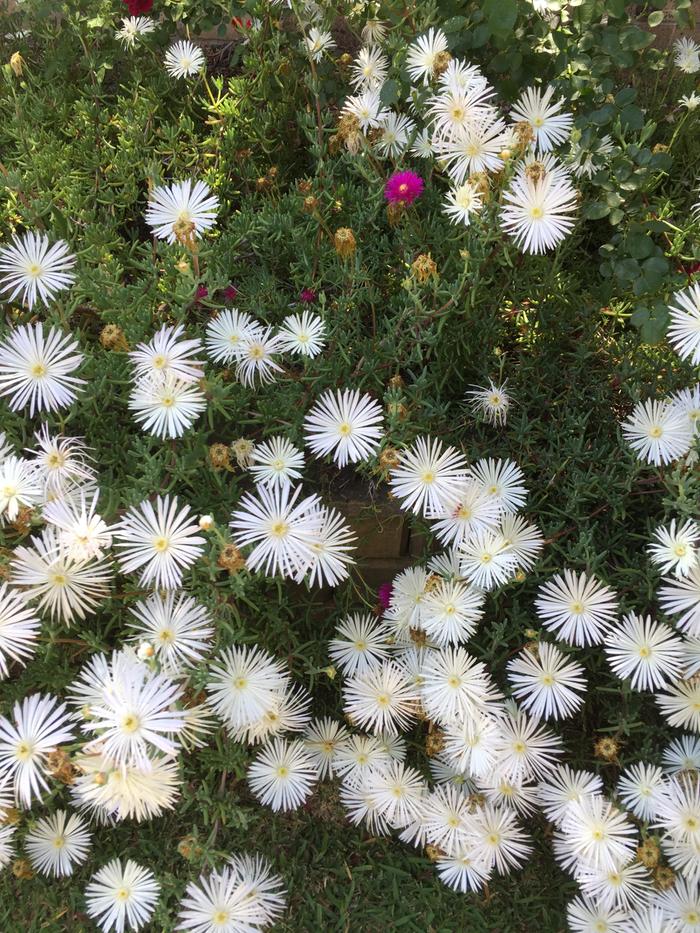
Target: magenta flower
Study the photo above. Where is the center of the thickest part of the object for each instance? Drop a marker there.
(403, 188)
(202, 292)
(307, 295)
(384, 592)
(230, 292)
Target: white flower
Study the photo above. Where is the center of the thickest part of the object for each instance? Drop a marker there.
(492, 401)
(451, 611)
(399, 793)
(282, 525)
(38, 726)
(177, 626)
(382, 699)
(498, 840)
(422, 146)
(598, 834)
(282, 775)
(7, 851)
(586, 916)
(687, 55)
(166, 353)
(522, 538)
(475, 148)
(577, 607)
(166, 406)
(549, 125)
(122, 896)
(289, 713)
(322, 739)
(331, 547)
(394, 133)
(360, 644)
(226, 332)
(684, 329)
(428, 476)
(357, 755)
(374, 31)
(649, 653)
(254, 356)
(563, 787)
(81, 529)
(57, 843)
(582, 162)
(486, 560)
(537, 213)
(36, 368)
(503, 481)
(473, 746)
(125, 792)
(19, 487)
(160, 542)
(317, 43)
(367, 108)
(687, 401)
(277, 462)
(346, 424)
(244, 684)
(690, 101)
(639, 788)
(370, 68)
(34, 269)
(19, 630)
(462, 202)
(65, 587)
(546, 683)
(683, 596)
(407, 596)
(455, 110)
(231, 900)
(676, 549)
(680, 705)
(455, 686)
(182, 209)
(61, 461)
(423, 55)
(303, 334)
(133, 27)
(184, 59)
(264, 890)
(462, 871)
(526, 749)
(657, 432)
(447, 811)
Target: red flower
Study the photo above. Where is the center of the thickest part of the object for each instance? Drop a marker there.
(308, 295)
(202, 292)
(138, 7)
(230, 292)
(403, 188)
(384, 592)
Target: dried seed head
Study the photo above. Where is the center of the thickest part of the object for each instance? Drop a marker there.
(344, 242)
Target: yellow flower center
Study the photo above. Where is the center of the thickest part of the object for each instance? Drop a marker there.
(344, 429)
(34, 270)
(644, 652)
(58, 579)
(8, 492)
(361, 645)
(130, 723)
(382, 700)
(536, 212)
(160, 544)
(538, 122)
(240, 683)
(24, 751)
(680, 550)
(256, 351)
(282, 771)
(576, 608)
(168, 401)
(279, 529)
(547, 680)
(655, 432)
(122, 894)
(221, 917)
(55, 460)
(59, 842)
(453, 682)
(167, 636)
(159, 361)
(38, 370)
(428, 477)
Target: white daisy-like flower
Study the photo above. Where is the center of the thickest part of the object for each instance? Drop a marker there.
(167, 353)
(181, 209)
(357, 755)
(61, 461)
(503, 481)
(160, 542)
(454, 110)
(255, 356)
(39, 724)
(290, 713)
(322, 739)
(399, 793)
(492, 401)
(473, 746)
(19, 630)
(463, 871)
(474, 149)
(687, 401)
(498, 840)
(229, 901)
(382, 699)
(7, 849)
(166, 406)
(282, 524)
(686, 55)
(676, 548)
(451, 611)
(684, 329)
(367, 109)
(547, 684)
(577, 607)
(690, 101)
(681, 905)
(538, 213)
(125, 792)
(132, 28)
(36, 270)
(178, 628)
(282, 775)
(680, 704)
(585, 162)
(332, 548)
(394, 134)
(486, 560)
(122, 896)
(318, 43)
(455, 686)
(264, 889)
(422, 146)
(245, 683)
(346, 424)
(598, 834)
(408, 593)
(184, 59)
(81, 529)
(428, 476)
(226, 332)
(563, 787)
(423, 55)
(657, 432)
(526, 749)
(277, 462)
(304, 334)
(57, 843)
(360, 802)
(374, 31)
(523, 539)
(682, 597)
(370, 68)
(549, 125)
(460, 75)
(683, 754)
(639, 788)
(360, 644)
(649, 653)
(36, 369)
(461, 202)
(586, 916)
(66, 587)
(20, 487)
